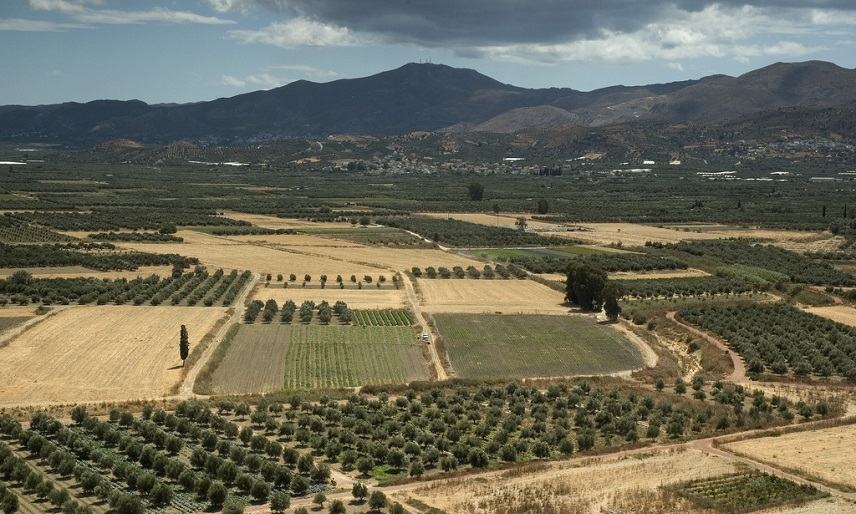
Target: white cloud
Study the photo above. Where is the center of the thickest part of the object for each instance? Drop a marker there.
(715, 31)
(79, 11)
(299, 32)
(268, 78)
(675, 66)
(25, 25)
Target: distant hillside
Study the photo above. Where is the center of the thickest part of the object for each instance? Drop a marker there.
(430, 97)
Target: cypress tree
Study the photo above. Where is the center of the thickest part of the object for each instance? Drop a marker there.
(183, 345)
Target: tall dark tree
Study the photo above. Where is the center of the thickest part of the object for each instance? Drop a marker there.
(610, 302)
(543, 206)
(476, 191)
(183, 345)
(584, 286)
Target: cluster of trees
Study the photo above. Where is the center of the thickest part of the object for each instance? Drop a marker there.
(450, 428)
(740, 251)
(251, 230)
(126, 218)
(143, 237)
(687, 286)
(781, 339)
(16, 231)
(305, 313)
(488, 272)
(92, 256)
(21, 288)
(463, 234)
(590, 289)
(607, 262)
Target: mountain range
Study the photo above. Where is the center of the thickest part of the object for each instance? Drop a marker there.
(435, 97)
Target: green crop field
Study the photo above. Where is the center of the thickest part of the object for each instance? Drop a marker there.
(264, 358)
(497, 346)
(383, 318)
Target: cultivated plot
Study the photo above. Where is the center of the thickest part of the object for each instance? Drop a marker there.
(263, 358)
(348, 356)
(490, 296)
(100, 353)
(254, 362)
(826, 453)
(496, 346)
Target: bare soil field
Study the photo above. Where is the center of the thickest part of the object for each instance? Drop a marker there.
(81, 272)
(261, 220)
(617, 484)
(399, 259)
(100, 353)
(370, 297)
(220, 252)
(840, 313)
(826, 453)
(490, 296)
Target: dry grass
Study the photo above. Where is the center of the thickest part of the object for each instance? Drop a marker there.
(370, 297)
(81, 272)
(840, 313)
(226, 253)
(614, 484)
(490, 296)
(261, 220)
(17, 311)
(820, 453)
(100, 353)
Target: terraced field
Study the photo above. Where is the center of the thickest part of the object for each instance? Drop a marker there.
(496, 346)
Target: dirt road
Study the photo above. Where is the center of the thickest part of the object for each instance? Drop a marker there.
(426, 328)
(737, 376)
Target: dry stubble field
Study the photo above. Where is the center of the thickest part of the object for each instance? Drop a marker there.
(620, 484)
(100, 353)
(840, 313)
(399, 259)
(823, 453)
(490, 296)
(273, 222)
(370, 297)
(221, 252)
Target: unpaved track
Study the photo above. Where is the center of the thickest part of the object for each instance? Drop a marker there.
(186, 390)
(738, 376)
(426, 328)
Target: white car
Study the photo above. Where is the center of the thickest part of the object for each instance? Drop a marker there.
(426, 338)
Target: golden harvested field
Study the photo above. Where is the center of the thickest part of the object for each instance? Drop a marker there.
(840, 313)
(399, 259)
(80, 272)
(490, 296)
(642, 275)
(631, 234)
(612, 484)
(504, 219)
(370, 297)
(261, 220)
(100, 353)
(220, 252)
(823, 453)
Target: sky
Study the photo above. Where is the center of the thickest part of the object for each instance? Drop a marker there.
(165, 51)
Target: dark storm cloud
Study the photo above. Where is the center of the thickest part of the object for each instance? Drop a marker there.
(496, 22)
